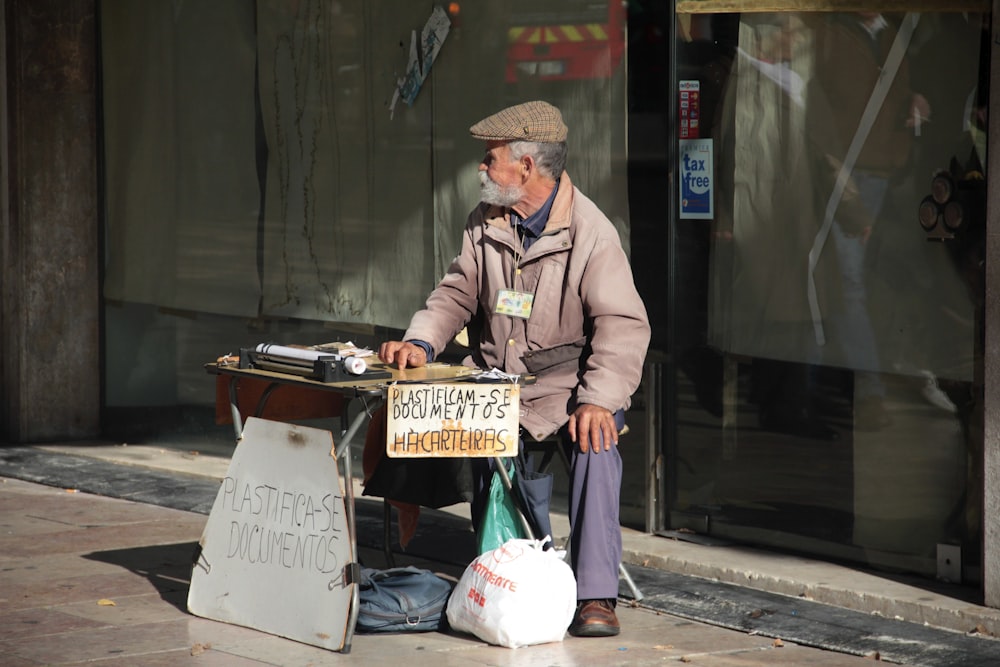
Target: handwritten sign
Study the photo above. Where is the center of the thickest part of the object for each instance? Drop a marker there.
(275, 548)
(462, 419)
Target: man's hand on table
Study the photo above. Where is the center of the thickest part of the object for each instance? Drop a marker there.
(588, 423)
(404, 355)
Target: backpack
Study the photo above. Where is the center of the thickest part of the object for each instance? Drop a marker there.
(401, 599)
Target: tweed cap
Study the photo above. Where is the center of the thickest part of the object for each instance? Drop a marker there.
(531, 121)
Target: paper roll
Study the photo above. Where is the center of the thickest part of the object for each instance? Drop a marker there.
(290, 352)
(355, 365)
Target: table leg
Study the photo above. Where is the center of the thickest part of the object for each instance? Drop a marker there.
(234, 406)
(343, 452)
(352, 619)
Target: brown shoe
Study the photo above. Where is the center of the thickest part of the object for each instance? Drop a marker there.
(594, 618)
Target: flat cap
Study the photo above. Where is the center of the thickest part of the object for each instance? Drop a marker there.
(531, 121)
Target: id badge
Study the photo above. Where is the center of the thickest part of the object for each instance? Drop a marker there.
(514, 303)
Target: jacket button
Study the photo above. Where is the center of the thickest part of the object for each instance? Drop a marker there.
(510, 342)
(518, 272)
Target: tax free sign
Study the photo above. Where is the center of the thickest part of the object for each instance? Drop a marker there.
(697, 182)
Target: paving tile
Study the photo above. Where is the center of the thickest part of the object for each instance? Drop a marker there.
(440, 649)
(134, 610)
(19, 522)
(431, 649)
(68, 506)
(27, 570)
(789, 655)
(568, 652)
(200, 656)
(26, 624)
(161, 563)
(170, 561)
(18, 491)
(691, 637)
(632, 647)
(272, 650)
(10, 660)
(70, 539)
(129, 641)
(80, 588)
(41, 570)
(647, 638)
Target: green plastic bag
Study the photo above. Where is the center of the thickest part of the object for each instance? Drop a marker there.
(500, 520)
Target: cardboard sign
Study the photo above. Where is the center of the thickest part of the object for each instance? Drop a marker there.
(277, 542)
(464, 419)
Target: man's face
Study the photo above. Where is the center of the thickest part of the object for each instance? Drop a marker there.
(500, 177)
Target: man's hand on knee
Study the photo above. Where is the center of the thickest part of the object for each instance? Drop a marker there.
(589, 425)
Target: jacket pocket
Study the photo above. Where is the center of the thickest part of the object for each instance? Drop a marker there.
(551, 358)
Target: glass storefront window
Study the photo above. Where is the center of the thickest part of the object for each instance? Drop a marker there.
(828, 263)
(300, 172)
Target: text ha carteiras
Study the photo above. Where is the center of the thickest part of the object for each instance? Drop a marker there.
(452, 420)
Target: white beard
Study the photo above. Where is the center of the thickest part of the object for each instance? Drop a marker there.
(492, 192)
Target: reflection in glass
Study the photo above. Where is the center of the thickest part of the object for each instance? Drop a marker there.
(835, 402)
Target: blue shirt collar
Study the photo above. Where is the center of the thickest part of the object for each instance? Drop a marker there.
(535, 223)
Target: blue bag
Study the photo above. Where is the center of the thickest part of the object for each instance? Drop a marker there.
(401, 599)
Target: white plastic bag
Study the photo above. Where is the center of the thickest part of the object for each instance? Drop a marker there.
(515, 595)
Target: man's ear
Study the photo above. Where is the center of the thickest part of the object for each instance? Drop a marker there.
(527, 164)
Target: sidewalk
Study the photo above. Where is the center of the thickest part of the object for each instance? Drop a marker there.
(102, 579)
(98, 581)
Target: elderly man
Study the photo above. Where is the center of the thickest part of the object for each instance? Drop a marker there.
(545, 288)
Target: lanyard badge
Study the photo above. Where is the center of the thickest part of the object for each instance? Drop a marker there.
(514, 303)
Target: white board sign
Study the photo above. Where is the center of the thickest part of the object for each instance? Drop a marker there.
(275, 548)
(459, 419)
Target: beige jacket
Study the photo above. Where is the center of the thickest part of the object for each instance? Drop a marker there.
(587, 334)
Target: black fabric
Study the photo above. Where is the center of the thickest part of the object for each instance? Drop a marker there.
(534, 491)
(427, 482)
(541, 361)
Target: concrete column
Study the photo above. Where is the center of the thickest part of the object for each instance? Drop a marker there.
(991, 445)
(49, 231)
